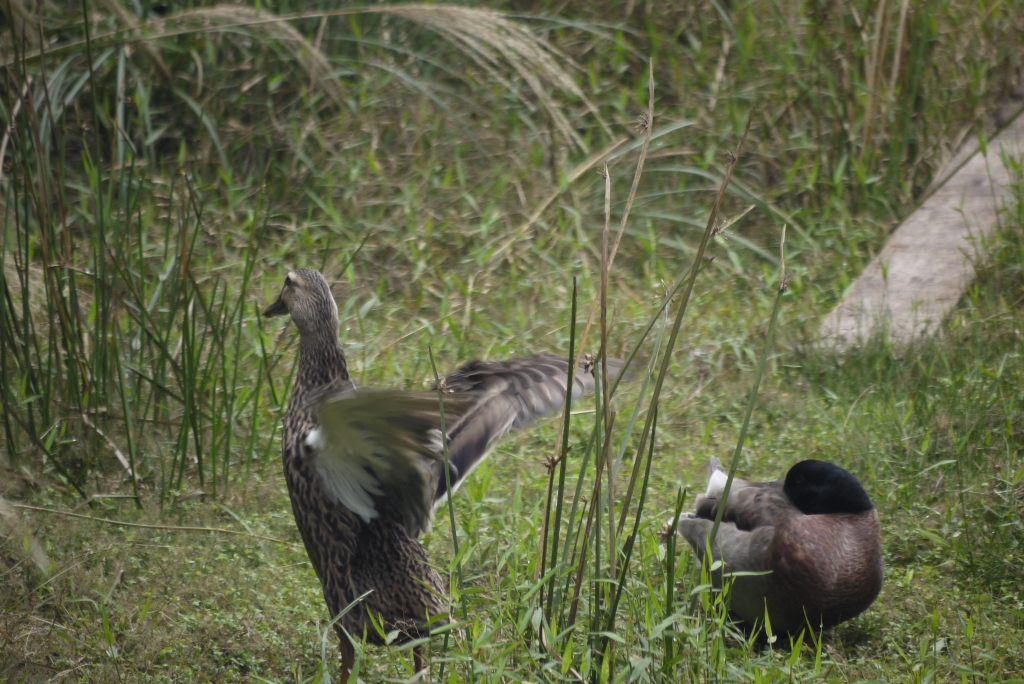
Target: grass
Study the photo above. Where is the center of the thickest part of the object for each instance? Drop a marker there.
(442, 166)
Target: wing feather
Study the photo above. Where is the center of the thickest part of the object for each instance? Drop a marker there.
(506, 396)
(750, 505)
(378, 452)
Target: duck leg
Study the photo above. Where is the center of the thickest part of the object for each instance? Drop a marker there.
(419, 659)
(348, 658)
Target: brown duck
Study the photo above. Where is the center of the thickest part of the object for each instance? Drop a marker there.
(364, 470)
(815, 535)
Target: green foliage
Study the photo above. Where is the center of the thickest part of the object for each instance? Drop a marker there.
(165, 165)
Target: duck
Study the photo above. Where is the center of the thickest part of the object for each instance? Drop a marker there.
(364, 469)
(811, 541)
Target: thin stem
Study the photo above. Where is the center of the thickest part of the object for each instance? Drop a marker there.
(753, 395)
(562, 457)
(670, 575)
(451, 504)
(687, 291)
(603, 356)
(627, 550)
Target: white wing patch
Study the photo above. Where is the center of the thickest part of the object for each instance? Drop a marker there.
(344, 476)
(716, 483)
(375, 453)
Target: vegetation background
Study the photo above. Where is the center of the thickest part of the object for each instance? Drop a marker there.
(164, 164)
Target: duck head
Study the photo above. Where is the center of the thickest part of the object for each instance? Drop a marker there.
(820, 487)
(307, 298)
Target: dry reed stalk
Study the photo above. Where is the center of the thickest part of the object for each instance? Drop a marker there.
(223, 17)
(603, 355)
(486, 36)
(685, 300)
(648, 124)
(719, 71)
(113, 447)
(126, 20)
(21, 18)
(607, 259)
(724, 497)
(577, 173)
(900, 36)
(169, 528)
(7, 130)
(606, 265)
(872, 76)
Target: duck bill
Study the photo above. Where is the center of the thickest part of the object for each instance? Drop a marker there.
(278, 308)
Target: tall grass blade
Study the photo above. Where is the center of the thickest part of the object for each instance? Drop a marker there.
(723, 502)
(451, 509)
(582, 566)
(687, 291)
(655, 355)
(132, 449)
(648, 124)
(603, 356)
(562, 459)
(627, 548)
(670, 578)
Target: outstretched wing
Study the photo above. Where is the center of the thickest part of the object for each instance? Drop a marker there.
(505, 396)
(379, 452)
(750, 505)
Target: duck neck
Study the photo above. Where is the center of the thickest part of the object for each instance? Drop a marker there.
(321, 359)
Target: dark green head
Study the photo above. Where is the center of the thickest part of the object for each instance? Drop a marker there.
(820, 487)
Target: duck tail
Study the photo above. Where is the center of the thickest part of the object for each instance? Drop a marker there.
(717, 477)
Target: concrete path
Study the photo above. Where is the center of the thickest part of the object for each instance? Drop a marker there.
(924, 268)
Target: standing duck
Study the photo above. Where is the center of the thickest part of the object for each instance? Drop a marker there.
(364, 470)
(814, 533)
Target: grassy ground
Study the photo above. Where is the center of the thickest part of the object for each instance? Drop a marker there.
(439, 165)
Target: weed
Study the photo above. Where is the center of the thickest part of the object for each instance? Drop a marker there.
(160, 166)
